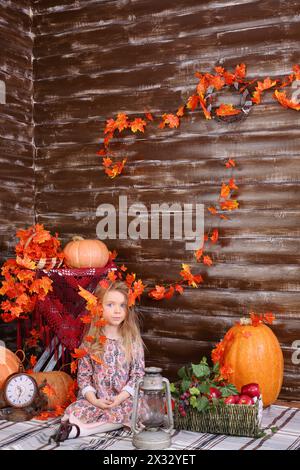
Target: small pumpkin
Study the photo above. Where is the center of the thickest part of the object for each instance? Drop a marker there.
(9, 364)
(59, 383)
(254, 355)
(81, 253)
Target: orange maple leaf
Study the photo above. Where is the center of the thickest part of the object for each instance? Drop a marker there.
(32, 360)
(130, 278)
(149, 116)
(171, 120)
(212, 210)
(215, 235)
(225, 191)
(261, 87)
(138, 288)
(232, 184)
(73, 367)
(230, 163)
(158, 293)
(256, 319)
(90, 298)
(102, 339)
(104, 283)
(227, 110)
(100, 323)
(229, 205)
(106, 161)
(193, 280)
(138, 124)
(179, 289)
(111, 276)
(180, 111)
(89, 339)
(26, 262)
(110, 126)
(240, 71)
(123, 268)
(79, 353)
(86, 319)
(169, 294)
(226, 372)
(269, 317)
(286, 102)
(113, 254)
(192, 102)
(102, 152)
(48, 390)
(198, 254)
(207, 260)
(122, 122)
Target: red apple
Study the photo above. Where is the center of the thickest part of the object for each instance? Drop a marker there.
(252, 390)
(214, 393)
(232, 399)
(245, 400)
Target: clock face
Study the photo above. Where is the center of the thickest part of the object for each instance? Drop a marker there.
(20, 390)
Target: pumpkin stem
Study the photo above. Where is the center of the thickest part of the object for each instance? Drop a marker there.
(77, 238)
(245, 321)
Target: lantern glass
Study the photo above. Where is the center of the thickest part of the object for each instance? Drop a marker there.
(152, 418)
(154, 409)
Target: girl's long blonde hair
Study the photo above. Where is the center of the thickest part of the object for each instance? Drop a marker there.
(129, 328)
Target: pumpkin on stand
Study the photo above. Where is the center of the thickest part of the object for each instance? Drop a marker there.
(9, 364)
(59, 384)
(252, 354)
(81, 253)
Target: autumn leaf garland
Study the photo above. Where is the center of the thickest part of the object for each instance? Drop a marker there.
(207, 82)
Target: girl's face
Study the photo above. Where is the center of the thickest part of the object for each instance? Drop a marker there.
(114, 308)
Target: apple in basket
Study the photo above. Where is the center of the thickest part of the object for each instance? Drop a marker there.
(245, 400)
(214, 393)
(252, 390)
(232, 400)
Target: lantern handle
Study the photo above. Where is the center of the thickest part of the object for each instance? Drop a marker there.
(169, 406)
(135, 406)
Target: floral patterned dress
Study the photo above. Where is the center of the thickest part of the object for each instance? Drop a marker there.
(107, 380)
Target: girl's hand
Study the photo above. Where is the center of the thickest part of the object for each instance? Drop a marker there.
(103, 403)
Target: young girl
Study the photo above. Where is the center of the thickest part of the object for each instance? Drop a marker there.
(106, 389)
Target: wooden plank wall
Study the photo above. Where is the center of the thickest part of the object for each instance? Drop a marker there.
(16, 128)
(93, 59)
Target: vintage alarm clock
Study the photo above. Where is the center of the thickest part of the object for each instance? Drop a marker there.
(20, 390)
(20, 397)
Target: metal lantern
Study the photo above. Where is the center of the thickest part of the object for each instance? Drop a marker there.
(151, 426)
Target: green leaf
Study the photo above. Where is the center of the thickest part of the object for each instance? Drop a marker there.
(274, 429)
(185, 384)
(193, 401)
(202, 403)
(201, 370)
(204, 387)
(182, 373)
(227, 390)
(216, 368)
(194, 391)
(172, 388)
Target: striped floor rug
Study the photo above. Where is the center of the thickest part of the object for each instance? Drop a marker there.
(281, 425)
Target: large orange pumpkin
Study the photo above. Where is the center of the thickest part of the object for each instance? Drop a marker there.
(81, 253)
(9, 364)
(254, 354)
(59, 382)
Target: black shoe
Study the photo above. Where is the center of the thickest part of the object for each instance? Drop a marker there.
(63, 432)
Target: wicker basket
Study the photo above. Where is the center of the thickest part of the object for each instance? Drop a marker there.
(236, 420)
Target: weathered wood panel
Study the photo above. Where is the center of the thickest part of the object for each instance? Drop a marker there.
(16, 126)
(16, 131)
(94, 59)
